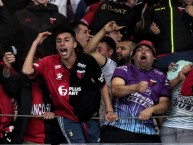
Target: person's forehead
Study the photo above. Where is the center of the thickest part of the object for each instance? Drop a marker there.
(83, 28)
(123, 44)
(64, 35)
(45, 1)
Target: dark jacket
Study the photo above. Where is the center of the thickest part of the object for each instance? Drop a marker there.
(4, 18)
(122, 14)
(25, 26)
(19, 87)
(6, 107)
(175, 27)
(15, 5)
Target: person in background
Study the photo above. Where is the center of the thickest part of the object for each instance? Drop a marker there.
(6, 108)
(116, 35)
(124, 51)
(33, 99)
(16, 5)
(139, 92)
(83, 7)
(124, 12)
(186, 88)
(26, 24)
(107, 47)
(106, 63)
(4, 16)
(169, 25)
(82, 33)
(178, 129)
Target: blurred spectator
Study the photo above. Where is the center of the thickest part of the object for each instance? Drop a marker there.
(75, 7)
(32, 98)
(88, 16)
(169, 24)
(124, 12)
(15, 5)
(178, 127)
(82, 32)
(4, 16)
(26, 24)
(6, 108)
(82, 9)
(124, 51)
(107, 47)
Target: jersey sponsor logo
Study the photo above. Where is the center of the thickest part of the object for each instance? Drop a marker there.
(72, 90)
(59, 76)
(183, 103)
(101, 79)
(160, 9)
(57, 66)
(62, 90)
(152, 82)
(40, 109)
(80, 73)
(81, 65)
(52, 20)
(111, 8)
(140, 99)
(175, 68)
(148, 91)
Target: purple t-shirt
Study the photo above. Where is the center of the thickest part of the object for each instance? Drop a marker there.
(131, 105)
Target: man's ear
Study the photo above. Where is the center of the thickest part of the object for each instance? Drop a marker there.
(131, 55)
(75, 44)
(111, 51)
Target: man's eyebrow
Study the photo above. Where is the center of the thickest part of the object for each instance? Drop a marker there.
(63, 38)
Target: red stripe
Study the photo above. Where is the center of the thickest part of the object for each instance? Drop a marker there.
(85, 132)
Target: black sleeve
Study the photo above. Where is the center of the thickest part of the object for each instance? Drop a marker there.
(9, 32)
(12, 85)
(96, 73)
(4, 17)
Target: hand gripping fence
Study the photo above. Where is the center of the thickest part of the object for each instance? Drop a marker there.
(98, 118)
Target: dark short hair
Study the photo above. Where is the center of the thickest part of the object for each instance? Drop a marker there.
(65, 30)
(74, 25)
(110, 42)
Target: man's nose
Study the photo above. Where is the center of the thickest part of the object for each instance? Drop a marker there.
(62, 43)
(118, 50)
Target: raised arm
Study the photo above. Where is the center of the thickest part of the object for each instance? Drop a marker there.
(91, 47)
(8, 58)
(28, 64)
